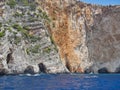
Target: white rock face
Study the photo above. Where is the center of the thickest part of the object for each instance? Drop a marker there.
(22, 50)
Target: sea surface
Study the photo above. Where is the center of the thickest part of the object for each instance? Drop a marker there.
(61, 82)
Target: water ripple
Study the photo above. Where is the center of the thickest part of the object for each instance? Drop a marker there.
(60, 82)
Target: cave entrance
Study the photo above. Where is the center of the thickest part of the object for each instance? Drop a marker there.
(103, 70)
(67, 64)
(42, 67)
(9, 58)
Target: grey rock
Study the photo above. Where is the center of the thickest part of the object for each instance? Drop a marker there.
(3, 72)
(117, 70)
(29, 70)
(22, 54)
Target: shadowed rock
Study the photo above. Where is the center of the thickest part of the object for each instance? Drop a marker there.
(42, 68)
(9, 56)
(87, 71)
(117, 70)
(3, 71)
(29, 70)
(103, 70)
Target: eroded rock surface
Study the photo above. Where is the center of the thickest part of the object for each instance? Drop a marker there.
(57, 36)
(87, 36)
(25, 41)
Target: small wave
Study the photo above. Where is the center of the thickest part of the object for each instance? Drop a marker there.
(36, 75)
(29, 74)
(91, 76)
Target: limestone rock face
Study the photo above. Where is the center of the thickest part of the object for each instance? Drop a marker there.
(25, 41)
(58, 36)
(104, 39)
(68, 32)
(87, 36)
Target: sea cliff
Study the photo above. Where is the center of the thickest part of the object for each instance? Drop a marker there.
(58, 36)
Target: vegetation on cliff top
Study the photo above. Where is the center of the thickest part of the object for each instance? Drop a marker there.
(13, 3)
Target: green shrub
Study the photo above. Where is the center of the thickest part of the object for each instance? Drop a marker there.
(0, 24)
(34, 38)
(17, 14)
(47, 50)
(2, 33)
(35, 49)
(25, 33)
(28, 12)
(14, 33)
(52, 41)
(22, 30)
(11, 3)
(40, 10)
(32, 6)
(32, 19)
(17, 26)
(25, 2)
(10, 21)
(44, 15)
(17, 40)
(26, 28)
(9, 29)
(51, 38)
(28, 51)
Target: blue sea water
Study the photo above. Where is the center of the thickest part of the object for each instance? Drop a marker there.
(61, 82)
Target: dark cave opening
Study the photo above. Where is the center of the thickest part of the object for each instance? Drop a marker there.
(103, 70)
(42, 68)
(9, 58)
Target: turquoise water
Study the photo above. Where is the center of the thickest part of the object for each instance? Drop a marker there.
(61, 82)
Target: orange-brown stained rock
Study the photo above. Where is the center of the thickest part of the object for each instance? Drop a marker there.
(64, 36)
(84, 33)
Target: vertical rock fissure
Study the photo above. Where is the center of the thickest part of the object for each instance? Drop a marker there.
(9, 56)
(67, 64)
